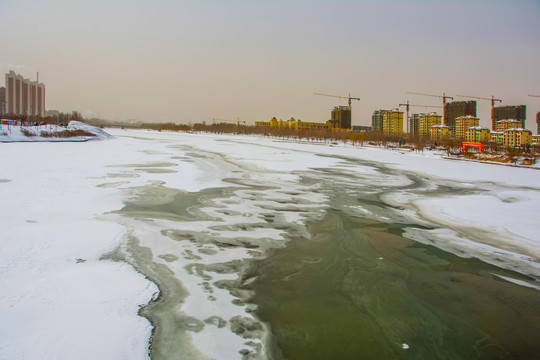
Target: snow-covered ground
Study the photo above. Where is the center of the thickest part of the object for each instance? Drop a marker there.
(60, 301)
(16, 133)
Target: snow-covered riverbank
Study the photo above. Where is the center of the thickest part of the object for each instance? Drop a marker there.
(58, 300)
(77, 131)
(61, 301)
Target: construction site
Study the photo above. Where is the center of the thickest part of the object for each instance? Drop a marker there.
(457, 130)
(413, 124)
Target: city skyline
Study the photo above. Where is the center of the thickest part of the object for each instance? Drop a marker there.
(185, 61)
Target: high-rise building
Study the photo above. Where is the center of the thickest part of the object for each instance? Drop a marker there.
(462, 123)
(2, 101)
(24, 97)
(455, 109)
(425, 122)
(393, 122)
(377, 120)
(341, 117)
(413, 125)
(517, 112)
(538, 123)
(12, 93)
(40, 103)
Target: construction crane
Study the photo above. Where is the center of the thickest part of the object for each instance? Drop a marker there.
(237, 121)
(535, 96)
(492, 105)
(340, 97)
(407, 105)
(443, 97)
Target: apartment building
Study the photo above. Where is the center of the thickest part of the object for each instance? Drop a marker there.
(478, 134)
(455, 109)
(497, 137)
(517, 137)
(516, 112)
(24, 97)
(393, 122)
(426, 122)
(2, 101)
(503, 125)
(292, 123)
(462, 123)
(340, 118)
(377, 120)
(413, 126)
(440, 132)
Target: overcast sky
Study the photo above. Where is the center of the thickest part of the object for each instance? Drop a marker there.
(186, 61)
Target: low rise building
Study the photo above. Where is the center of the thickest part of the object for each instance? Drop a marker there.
(273, 123)
(462, 123)
(393, 122)
(497, 137)
(361, 128)
(536, 139)
(292, 123)
(262, 123)
(503, 125)
(303, 125)
(517, 137)
(440, 132)
(478, 134)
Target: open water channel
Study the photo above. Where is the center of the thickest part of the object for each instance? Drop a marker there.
(317, 263)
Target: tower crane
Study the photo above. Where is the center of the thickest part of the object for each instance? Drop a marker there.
(407, 105)
(443, 97)
(535, 96)
(341, 97)
(492, 105)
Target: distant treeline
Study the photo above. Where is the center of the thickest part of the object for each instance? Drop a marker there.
(333, 136)
(165, 126)
(324, 135)
(60, 118)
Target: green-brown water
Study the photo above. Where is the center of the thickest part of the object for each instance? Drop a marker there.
(325, 259)
(359, 290)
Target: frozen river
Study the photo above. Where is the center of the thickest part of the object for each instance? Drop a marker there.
(247, 247)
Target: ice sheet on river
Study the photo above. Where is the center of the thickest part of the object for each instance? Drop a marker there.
(194, 210)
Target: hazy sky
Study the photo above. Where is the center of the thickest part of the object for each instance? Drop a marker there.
(186, 61)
